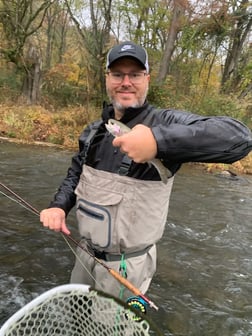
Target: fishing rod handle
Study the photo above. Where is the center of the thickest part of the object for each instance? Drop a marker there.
(125, 282)
(131, 287)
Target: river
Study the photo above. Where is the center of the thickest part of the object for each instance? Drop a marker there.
(203, 282)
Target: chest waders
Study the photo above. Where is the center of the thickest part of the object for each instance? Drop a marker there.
(116, 224)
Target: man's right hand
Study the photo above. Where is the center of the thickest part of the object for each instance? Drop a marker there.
(54, 219)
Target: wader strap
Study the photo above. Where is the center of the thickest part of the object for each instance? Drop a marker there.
(89, 140)
(123, 266)
(117, 257)
(123, 271)
(125, 166)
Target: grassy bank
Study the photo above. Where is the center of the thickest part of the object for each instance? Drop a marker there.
(35, 124)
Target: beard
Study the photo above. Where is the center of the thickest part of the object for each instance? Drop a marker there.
(121, 108)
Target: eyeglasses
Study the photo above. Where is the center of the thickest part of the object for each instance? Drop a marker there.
(134, 77)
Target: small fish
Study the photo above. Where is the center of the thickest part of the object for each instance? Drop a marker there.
(116, 128)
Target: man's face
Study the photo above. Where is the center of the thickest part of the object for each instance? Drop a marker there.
(127, 90)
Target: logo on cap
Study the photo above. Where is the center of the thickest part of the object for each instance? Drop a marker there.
(127, 47)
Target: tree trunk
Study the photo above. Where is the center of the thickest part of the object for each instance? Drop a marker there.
(178, 11)
(242, 27)
(32, 77)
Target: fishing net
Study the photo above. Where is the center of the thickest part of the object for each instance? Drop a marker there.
(74, 310)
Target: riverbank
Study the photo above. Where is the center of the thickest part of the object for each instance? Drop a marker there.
(37, 126)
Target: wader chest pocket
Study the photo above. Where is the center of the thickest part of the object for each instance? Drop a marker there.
(96, 221)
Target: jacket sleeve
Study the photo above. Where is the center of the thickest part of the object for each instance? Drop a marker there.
(185, 137)
(65, 197)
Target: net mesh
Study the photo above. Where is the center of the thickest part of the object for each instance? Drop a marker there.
(74, 310)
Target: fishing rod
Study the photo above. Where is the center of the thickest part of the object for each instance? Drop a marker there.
(114, 273)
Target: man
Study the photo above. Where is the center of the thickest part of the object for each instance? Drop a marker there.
(121, 200)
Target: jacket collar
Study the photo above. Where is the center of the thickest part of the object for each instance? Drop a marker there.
(130, 113)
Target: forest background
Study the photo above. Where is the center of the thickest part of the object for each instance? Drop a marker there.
(53, 54)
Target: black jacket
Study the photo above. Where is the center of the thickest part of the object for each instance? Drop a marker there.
(181, 137)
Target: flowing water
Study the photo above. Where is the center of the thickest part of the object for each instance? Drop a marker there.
(203, 283)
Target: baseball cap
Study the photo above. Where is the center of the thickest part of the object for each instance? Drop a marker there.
(128, 49)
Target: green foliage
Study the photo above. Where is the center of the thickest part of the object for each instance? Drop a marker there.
(161, 96)
(63, 87)
(221, 105)
(65, 95)
(9, 79)
(212, 103)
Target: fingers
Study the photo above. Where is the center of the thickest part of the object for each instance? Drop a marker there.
(54, 219)
(139, 144)
(64, 229)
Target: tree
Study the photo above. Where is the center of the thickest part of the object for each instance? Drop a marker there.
(95, 36)
(241, 19)
(179, 8)
(56, 25)
(20, 21)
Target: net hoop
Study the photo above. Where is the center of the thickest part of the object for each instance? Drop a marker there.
(74, 310)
